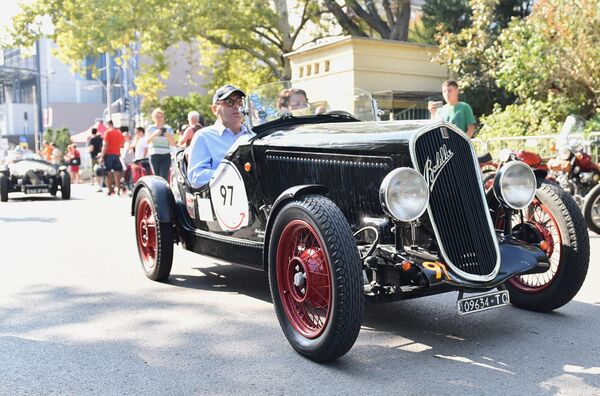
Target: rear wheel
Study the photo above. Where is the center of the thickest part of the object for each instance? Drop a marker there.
(3, 188)
(315, 278)
(154, 239)
(65, 185)
(553, 217)
(591, 209)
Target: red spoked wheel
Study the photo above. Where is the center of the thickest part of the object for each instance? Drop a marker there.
(304, 279)
(315, 276)
(154, 238)
(146, 234)
(541, 219)
(553, 217)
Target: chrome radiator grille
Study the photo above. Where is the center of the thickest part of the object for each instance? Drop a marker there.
(457, 208)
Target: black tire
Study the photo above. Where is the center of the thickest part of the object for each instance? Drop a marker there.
(564, 279)
(334, 243)
(65, 185)
(156, 250)
(591, 205)
(3, 188)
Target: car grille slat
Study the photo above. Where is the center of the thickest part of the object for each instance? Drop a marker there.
(457, 207)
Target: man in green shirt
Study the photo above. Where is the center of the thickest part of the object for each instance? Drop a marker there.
(454, 111)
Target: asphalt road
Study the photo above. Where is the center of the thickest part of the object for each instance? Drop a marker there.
(77, 316)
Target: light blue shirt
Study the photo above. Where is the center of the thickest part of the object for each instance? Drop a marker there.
(208, 147)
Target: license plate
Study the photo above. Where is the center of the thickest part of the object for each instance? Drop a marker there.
(482, 302)
(36, 190)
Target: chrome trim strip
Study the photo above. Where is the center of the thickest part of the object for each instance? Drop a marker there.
(411, 147)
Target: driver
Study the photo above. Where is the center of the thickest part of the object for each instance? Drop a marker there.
(210, 144)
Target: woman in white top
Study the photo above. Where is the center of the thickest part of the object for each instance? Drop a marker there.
(160, 140)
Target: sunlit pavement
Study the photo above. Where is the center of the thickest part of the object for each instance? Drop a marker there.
(77, 316)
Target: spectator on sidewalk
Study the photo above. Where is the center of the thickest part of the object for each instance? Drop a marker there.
(111, 156)
(454, 111)
(160, 140)
(94, 148)
(57, 155)
(47, 152)
(195, 123)
(73, 159)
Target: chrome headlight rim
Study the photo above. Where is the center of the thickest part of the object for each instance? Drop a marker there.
(384, 188)
(498, 184)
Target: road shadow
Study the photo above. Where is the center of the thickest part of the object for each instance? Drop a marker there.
(226, 278)
(28, 219)
(71, 341)
(29, 198)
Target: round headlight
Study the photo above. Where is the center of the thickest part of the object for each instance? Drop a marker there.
(515, 185)
(404, 194)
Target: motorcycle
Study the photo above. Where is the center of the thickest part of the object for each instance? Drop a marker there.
(576, 172)
(554, 222)
(573, 169)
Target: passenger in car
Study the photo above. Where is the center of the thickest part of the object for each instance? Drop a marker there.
(210, 144)
(294, 101)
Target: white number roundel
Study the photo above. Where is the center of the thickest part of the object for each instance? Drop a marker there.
(228, 196)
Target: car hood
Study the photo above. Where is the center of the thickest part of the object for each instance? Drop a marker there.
(21, 167)
(368, 136)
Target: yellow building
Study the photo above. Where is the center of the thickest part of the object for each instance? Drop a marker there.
(400, 75)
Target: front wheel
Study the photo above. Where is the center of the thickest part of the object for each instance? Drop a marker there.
(553, 216)
(591, 209)
(3, 188)
(315, 278)
(65, 185)
(154, 238)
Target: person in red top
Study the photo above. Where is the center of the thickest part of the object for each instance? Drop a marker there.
(73, 158)
(111, 156)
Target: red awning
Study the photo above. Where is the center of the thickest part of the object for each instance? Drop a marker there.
(82, 137)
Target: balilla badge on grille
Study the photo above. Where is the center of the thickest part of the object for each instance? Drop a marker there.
(432, 171)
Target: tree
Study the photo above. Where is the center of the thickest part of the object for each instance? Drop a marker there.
(388, 19)
(176, 108)
(261, 29)
(61, 137)
(470, 52)
(551, 63)
(441, 16)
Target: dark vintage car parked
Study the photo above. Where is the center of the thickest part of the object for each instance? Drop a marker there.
(30, 174)
(338, 211)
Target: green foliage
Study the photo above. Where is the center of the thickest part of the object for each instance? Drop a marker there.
(550, 62)
(471, 55)
(593, 124)
(262, 30)
(530, 117)
(224, 67)
(61, 137)
(555, 51)
(176, 108)
(442, 16)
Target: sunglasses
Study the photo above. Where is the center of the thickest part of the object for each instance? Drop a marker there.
(231, 102)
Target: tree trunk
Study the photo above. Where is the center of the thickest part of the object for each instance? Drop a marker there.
(400, 29)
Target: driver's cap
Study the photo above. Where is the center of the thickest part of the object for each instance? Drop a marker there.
(225, 91)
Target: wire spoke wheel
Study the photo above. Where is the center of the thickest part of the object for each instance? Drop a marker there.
(315, 276)
(154, 238)
(553, 218)
(539, 217)
(304, 279)
(146, 234)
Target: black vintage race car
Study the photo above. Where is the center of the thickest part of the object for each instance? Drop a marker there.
(339, 211)
(28, 173)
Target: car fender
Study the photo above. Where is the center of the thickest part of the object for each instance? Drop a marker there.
(161, 194)
(282, 199)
